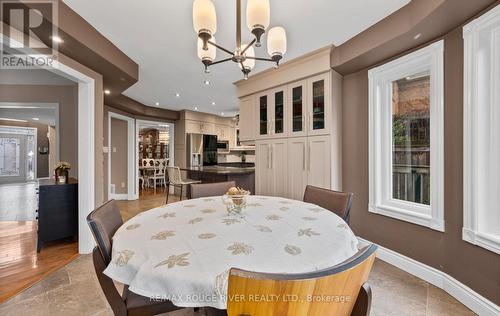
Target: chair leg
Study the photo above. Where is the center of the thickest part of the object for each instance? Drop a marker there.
(363, 302)
(180, 199)
(168, 192)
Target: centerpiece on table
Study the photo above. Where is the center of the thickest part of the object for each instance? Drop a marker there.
(235, 200)
(62, 172)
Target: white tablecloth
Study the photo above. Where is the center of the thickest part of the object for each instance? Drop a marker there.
(183, 251)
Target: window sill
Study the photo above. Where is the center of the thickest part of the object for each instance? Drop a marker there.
(484, 240)
(408, 216)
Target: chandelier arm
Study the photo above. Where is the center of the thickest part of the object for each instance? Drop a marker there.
(238, 25)
(260, 58)
(220, 61)
(221, 48)
(248, 46)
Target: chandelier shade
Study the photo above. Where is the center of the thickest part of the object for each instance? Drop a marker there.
(248, 63)
(209, 54)
(204, 17)
(258, 17)
(276, 41)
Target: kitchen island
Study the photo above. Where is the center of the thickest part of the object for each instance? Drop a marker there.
(242, 174)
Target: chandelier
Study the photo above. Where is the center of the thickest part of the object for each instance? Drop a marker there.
(258, 17)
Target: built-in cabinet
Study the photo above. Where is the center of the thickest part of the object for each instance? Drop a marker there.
(296, 126)
(285, 166)
(271, 156)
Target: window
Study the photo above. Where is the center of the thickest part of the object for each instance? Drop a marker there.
(482, 131)
(406, 138)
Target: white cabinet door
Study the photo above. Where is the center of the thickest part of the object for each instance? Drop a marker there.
(278, 110)
(297, 108)
(263, 115)
(319, 105)
(319, 161)
(247, 119)
(297, 167)
(263, 175)
(279, 167)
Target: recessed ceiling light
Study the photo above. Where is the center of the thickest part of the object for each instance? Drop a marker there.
(57, 39)
(157, 103)
(177, 95)
(35, 119)
(222, 113)
(12, 120)
(207, 82)
(107, 91)
(213, 103)
(417, 36)
(196, 108)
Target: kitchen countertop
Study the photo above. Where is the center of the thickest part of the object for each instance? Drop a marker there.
(224, 170)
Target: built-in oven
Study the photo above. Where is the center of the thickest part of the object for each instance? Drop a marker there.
(223, 147)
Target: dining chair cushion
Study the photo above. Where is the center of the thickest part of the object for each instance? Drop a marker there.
(104, 222)
(334, 201)
(210, 189)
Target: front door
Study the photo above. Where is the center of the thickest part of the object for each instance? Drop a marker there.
(13, 158)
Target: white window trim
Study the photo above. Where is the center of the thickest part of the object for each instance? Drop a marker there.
(380, 137)
(473, 123)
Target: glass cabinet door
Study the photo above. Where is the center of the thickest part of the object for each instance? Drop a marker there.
(297, 108)
(318, 105)
(263, 120)
(279, 112)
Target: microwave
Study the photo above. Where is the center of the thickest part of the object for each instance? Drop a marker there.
(223, 147)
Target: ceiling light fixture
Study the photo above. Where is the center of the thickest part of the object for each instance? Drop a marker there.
(222, 113)
(196, 108)
(12, 120)
(157, 103)
(107, 91)
(213, 103)
(35, 119)
(207, 82)
(56, 39)
(177, 95)
(417, 36)
(258, 18)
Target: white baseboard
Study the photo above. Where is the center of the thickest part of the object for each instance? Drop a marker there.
(118, 197)
(474, 301)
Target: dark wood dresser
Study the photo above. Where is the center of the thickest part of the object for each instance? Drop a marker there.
(57, 210)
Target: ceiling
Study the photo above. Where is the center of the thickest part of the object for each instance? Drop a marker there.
(44, 113)
(159, 36)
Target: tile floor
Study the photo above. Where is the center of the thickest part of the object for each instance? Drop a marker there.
(74, 290)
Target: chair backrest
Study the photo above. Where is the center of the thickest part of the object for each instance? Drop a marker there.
(332, 291)
(210, 189)
(104, 222)
(160, 167)
(174, 175)
(337, 202)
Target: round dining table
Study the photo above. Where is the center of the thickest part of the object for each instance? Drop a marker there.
(183, 251)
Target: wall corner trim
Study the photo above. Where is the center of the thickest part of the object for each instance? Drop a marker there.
(465, 295)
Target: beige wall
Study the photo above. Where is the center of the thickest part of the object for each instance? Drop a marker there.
(67, 98)
(474, 266)
(118, 154)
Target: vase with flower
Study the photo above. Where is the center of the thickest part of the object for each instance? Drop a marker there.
(62, 172)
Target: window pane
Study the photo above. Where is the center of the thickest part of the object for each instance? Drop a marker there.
(9, 157)
(411, 138)
(263, 115)
(318, 105)
(278, 112)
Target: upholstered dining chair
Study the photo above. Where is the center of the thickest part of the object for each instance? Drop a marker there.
(209, 189)
(175, 179)
(340, 290)
(337, 202)
(104, 222)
